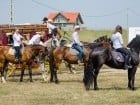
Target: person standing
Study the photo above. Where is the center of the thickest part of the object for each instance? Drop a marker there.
(76, 44)
(17, 43)
(4, 39)
(118, 44)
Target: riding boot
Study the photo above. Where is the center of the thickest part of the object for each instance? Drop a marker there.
(126, 63)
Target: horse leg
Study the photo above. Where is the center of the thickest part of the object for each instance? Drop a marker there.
(95, 75)
(133, 78)
(43, 71)
(21, 75)
(30, 73)
(129, 78)
(3, 72)
(70, 66)
(55, 76)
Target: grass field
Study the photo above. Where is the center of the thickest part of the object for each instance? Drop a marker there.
(112, 84)
(70, 91)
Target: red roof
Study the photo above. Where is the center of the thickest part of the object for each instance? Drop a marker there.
(71, 16)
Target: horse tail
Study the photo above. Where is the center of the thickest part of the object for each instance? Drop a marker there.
(89, 73)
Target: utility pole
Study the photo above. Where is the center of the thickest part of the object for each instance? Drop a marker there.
(11, 12)
(127, 18)
(127, 24)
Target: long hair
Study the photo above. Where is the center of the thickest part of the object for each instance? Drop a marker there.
(118, 29)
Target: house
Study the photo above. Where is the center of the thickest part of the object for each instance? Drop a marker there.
(66, 20)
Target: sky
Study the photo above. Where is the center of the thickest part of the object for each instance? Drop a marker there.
(96, 14)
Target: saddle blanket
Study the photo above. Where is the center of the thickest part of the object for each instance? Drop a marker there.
(118, 56)
(12, 51)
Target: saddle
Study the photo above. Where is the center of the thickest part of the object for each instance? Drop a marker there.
(119, 57)
(72, 50)
(12, 51)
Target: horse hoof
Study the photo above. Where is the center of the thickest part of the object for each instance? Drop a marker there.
(96, 88)
(57, 82)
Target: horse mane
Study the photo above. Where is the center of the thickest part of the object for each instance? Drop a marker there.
(134, 44)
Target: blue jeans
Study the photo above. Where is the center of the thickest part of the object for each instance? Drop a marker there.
(80, 50)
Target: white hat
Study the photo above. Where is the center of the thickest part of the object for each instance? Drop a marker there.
(38, 32)
(8, 33)
(50, 20)
(77, 27)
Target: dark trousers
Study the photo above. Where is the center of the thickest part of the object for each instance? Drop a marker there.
(54, 32)
(80, 50)
(17, 53)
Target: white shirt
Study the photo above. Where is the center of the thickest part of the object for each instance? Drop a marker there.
(117, 40)
(75, 38)
(50, 27)
(34, 40)
(17, 39)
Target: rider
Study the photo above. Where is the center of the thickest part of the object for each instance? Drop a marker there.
(119, 45)
(52, 30)
(17, 43)
(77, 44)
(36, 39)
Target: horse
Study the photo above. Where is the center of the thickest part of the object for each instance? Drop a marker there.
(28, 54)
(70, 55)
(113, 59)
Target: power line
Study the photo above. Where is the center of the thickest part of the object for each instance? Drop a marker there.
(134, 12)
(104, 15)
(45, 5)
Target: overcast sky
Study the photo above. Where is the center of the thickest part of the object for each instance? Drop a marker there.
(96, 14)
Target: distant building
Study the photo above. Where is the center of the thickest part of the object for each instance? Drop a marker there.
(66, 19)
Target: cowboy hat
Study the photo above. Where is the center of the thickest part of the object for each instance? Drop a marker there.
(45, 19)
(50, 20)
(9, 33)
(77, 27)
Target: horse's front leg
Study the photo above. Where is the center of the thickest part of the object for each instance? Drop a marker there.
(129, 78)
(133, 78)
(4, 72)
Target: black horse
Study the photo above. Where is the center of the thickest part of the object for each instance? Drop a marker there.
(107, 56)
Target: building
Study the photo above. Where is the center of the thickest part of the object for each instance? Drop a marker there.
(66, 20)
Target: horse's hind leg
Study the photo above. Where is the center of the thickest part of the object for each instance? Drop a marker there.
(95, 75)
(30, 74)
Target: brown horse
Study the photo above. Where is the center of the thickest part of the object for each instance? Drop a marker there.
(28, 55)
(70, 55)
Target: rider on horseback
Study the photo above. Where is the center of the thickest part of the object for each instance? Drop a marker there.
(119, 46)
(52, 30)
(17, 43)
(76, 44)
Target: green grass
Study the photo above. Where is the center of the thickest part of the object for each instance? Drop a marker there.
(91, 35)
(70, 91)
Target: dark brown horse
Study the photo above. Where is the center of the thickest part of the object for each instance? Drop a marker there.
(109, 57)
(28, 55)
(70, 55)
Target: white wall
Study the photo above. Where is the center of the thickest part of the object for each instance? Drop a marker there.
(133, 31)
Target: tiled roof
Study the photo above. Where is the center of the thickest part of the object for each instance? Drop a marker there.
(71, 16)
